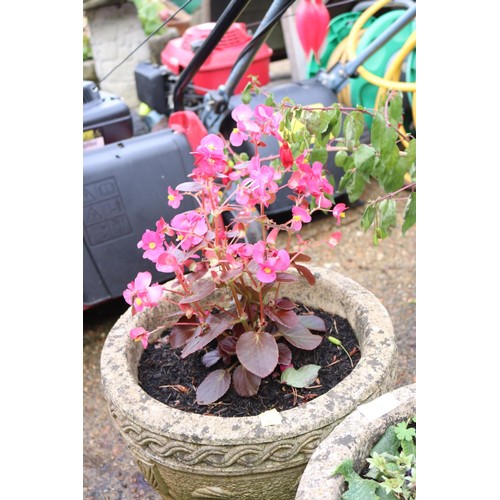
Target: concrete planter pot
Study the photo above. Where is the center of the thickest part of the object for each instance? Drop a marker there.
(353, 439)
(186, 456)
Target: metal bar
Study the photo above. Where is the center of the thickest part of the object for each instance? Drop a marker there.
(230, 14)
(247, 55)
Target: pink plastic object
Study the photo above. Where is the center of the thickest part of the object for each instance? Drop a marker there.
(214, 72)
(312, 20)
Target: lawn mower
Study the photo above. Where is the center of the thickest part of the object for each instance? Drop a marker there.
(201, 78)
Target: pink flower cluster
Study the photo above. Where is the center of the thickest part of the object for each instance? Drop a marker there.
(198, 240)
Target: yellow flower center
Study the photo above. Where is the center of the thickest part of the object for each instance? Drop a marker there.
(235, 130)
(180, 237)
(211, 147)
(171, 197)
(342, 214)
(267, 270)
(138, 301)
(296, 218)
(152, 246)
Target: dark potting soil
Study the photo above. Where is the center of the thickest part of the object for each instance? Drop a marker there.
(173, 381)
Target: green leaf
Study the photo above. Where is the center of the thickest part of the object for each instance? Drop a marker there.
(359, 488)
(378, 130)
(303, 377)
(411, 158)
(368, 217)
(353, 128)
(318, 154)
(383, 495)
(270, 100)
(388, 212)
(394, 172)
(389, 145)
(403, 432)
(334, 122)
(410, 213)
(409, 448)
(355, 186)
(340, 158)
(246, 95)
(388, 443)
(395, 111)
(364, 158)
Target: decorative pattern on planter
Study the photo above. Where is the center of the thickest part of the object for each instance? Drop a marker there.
(168, 451)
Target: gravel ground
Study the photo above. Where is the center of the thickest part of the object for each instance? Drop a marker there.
(109, 472)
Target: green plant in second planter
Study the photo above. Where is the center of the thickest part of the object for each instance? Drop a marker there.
(392, 467)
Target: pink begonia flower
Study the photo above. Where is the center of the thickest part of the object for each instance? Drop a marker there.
(190, 228)
(300, 215)
(269, 262)
(210, 159)
(243, 115)
(140, 334)
(139, 294)
(174, 197)
(338, 211)
(171, 261)
(152, 244)
(237, 137)
(263, 186)
(334, 239)
(268, 120)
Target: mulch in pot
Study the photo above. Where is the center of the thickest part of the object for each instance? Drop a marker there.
(173, 381)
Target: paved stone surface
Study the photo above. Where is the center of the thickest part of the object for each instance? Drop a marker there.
(388, 271)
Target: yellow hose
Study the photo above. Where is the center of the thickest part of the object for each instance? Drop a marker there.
(340, 55)
(394, 69)
(351, 52)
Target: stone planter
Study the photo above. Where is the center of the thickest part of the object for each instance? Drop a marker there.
(187, 456)
(354, 438)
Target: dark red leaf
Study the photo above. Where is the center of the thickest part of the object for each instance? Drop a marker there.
(257, 352)
(216, 324)
(312, 322)
(213, 387)
(285, 355)
(231, 274)
(228, 345)
(304, 271)
(245, 383)
(210, 358)
(200, 289)
(286, 318)
(301, 257)
(247, 291)
(301, 337)
(285, 304)
(180, 334)
(193, 187)
(286, 278)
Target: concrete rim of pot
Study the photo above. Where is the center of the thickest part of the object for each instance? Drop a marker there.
(373, 375)
(353, 439)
